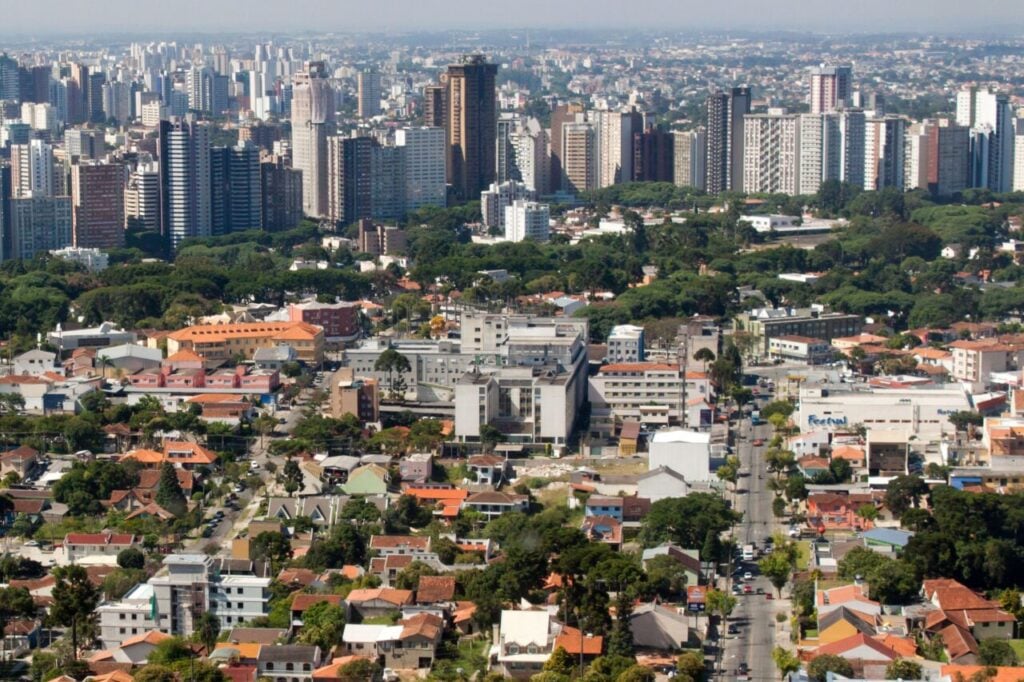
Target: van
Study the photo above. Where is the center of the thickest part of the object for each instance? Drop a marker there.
(748, 552)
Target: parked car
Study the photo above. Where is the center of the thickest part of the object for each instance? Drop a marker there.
(768, 596)
(748, 589)
(748, 576)
(758, 442)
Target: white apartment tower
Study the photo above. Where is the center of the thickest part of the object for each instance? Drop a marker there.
(615, 145)
(531, 152)
(884, 144)
(527, 220)
(771, 145)
(689, 158)
(424, 166)
(189, 200)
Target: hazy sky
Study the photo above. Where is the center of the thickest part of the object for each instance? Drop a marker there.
(84, 17)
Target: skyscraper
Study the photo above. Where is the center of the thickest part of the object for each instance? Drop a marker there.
(989, 116)
(948, 158)
(771, 153)
(831, 88)
(652, 156)
(282, 195)
(39, 223)
(532, 158)
(97, 200)
(368, 85)
(142, 198)
(615, 130)
(820, 148)
(1018, 156)
(688, 158)
(884, 144)
(32, 170)
(312, 116)
(739, 107)
(207, 91)
(717, 166)
(527, 220)
(579, 157)
(433, 105)
(851, 149)
(237, 194)
(472, 125)
(560, 115)
(185, 180)
(350, 179)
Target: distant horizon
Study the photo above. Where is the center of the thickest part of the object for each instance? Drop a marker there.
(73, 19)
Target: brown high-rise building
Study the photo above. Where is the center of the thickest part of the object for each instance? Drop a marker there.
(653, 156)
(282, 195)
(562, 114)
(433, 104)
(472, 124)
(97, 200)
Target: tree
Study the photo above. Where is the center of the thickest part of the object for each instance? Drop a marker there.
(637, 673)
(208, 630)
(729, 471)
(394, 365)
(962, 419)
(273, 546)
(867, 512)
(169, 494)
(903, 669)
(685, 521)
(785, 660)
(322, 625)
(15, 603)
(690, 664)
(118, 582)
(291, 476)
(559, 662)
(358, 671)
(620, 640)
(155, 673)
(996, 652)
(74, 601)
(131, 558)
(820, 666)
(409, 577)
(778, 566)
(904, 492)
(704, 355)
(722, 603)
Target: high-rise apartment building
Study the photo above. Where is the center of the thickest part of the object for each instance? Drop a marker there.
(884, 155)
(527, 220)
(94, 96)
(771, 148)
(185, 180)
(312, 118)
(237, 192)
(424, 166)
(282, 195)
(688, 158)
(915, 157)
(207, 91)
(1018, 155)
(579, 157)
(560, 115)
(350, 179)
(725, 114)
(652, 156)
(387, 182)
(433, 105)
(97, 199)
(615, 130)
(472, 118)
(39, 223)
(949, 165)
(819, 153)
(142, 198)
(368, 93)
(532, 158)
(831, 88)
(851, 149)
(32, 170)
(989, 116)
(497, 198)
(506, 167)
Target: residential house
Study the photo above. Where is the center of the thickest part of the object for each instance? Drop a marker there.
(659, 627)
(416, 643)
(414, 545)
(335, 470)
(578, 645)
(853, 597)
(369, 479)
(886, 540)
(688, 559)
(360, 639)
(323, 511)
(77, 546)
(602, 505)
(443, 501)
(811, 466)
(634, 510)
(488, 469)
(493, 504)
(859, 649)
(525, 641)
(662, 483)
(833, 511)
(20, 461)
(288, 662)
(136, 650)
(435, 589)
(958, 605)
(378, 601)
(417, 467)
(35, 363)
(844, 622)
(303, 602)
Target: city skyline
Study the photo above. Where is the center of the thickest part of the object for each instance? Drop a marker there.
(122, 16)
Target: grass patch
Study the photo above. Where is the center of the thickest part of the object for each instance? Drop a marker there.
(621, 467)
(1018, 647)
(803, 555)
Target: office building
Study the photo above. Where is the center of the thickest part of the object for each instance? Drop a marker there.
(572, 112)
(771, 153)
(831, 88)
(350, 179)
(185, 180)
(368, 93)
(689, 158)
(92, 260)
(142, 198)
(282, 195)
(579, 157)
(38, 223)
(32, 170)
(649, 393)
(207, 91)
(312, 117)
(471, 108)
(237, 192)
(433, 106)
(97, 199)
(94, 96)
(117, 101)
(884, 156)
(497, 198)
(615, 130)
(763, 324)
(41, 117)
(9, 79)
(989, 116)
(505, 152)
(387, 182)
(424, 166)
(1018, 156)
(527, 220)
(725, 114)
(340, 321)
(83, 143)
(739, 107)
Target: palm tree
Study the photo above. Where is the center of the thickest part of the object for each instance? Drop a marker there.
(105, 362)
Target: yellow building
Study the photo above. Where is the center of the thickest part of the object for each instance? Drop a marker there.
(219, 343)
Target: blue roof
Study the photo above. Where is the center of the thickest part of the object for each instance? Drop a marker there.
(888, 536)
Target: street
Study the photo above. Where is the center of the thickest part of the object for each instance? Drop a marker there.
(754, 614)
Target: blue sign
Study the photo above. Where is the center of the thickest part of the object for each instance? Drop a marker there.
(815, 420)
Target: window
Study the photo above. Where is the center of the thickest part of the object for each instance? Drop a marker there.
(289, 666)
(513, 649)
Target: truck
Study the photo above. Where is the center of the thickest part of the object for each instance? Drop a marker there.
(748, 552)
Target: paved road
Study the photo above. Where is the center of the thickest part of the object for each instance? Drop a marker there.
(754, 614)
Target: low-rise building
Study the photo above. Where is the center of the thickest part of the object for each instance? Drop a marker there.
(688, 453)
(222, 343)
(804, 349)
(649, 393)
(524, 644)
(763, 324)
(78, 546)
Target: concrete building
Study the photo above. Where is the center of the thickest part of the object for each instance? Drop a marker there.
(312, 118)
(128, 617)
(185, 180)
(32, 170)
(97, 199)
(831, 87)
(687, 453)
(626, 344)
(282, 195)
(527, 220)
(884, 152)
(948, 158)
(237, 189)
(725, 112)
(499, 197)
(368, 93)
(771, 147)
(340, 321)
(614, 130)
(38, 223)
(649, 393)
(142, 198)
(579, 160)
(975, 361)
(989, 115)
(94, 260)
(224, 342)
(349, 186)
(354, 395)
(532, 159)
(819, 154)
(472, 119)
(424, 166)
(763, 324)
(793, 348)
(690, 157)
(923, 411)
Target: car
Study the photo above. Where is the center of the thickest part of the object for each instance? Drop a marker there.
(207, 532)
(239, 488)
(768, 596)
(31, 543)
(282, 420)
(747, 575)
(219, 514)
(736, 589)
(748, 589)
(758, 442)
(760, 590)
(254, 466)
(733, 630)
(742, 669)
